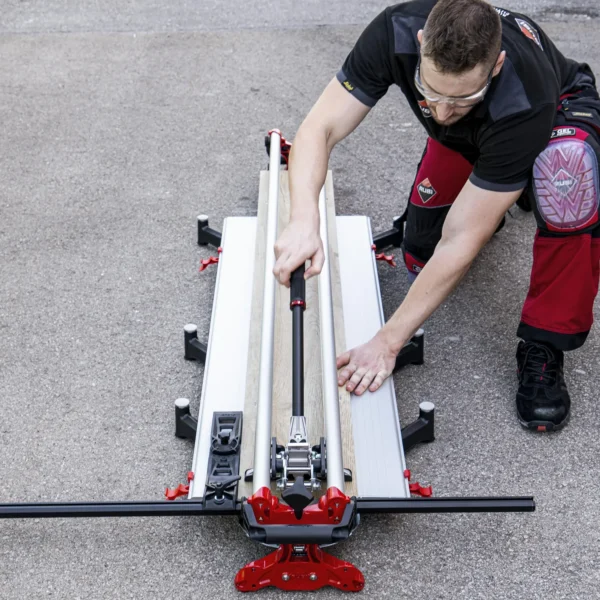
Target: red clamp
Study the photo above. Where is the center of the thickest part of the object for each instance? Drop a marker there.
(417, 489)
(205, 262)
(299, 567)
(180, 490)
(388, 258)
(285, 146)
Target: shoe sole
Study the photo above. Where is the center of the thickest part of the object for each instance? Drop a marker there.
(544, 426)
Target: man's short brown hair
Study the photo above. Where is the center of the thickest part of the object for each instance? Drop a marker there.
(460, 34)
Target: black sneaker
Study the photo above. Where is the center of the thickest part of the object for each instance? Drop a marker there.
(543, 402)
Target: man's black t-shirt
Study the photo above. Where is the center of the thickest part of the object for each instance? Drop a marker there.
(503, 135)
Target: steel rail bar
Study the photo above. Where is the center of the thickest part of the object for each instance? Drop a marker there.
(61, 510)
(331, 403)
(466, 504)
(264, 410)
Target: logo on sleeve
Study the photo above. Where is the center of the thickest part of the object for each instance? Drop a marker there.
(501, 12)
(425, 109)
(348, 85)
(563, 131)
(529, 31)
(426, 191)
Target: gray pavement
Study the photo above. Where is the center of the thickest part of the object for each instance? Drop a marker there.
(27, 16)
(121, 123)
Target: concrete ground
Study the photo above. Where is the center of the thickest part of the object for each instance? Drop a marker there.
(120, 123)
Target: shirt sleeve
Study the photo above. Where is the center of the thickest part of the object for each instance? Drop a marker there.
(367, 72)
(509, 147)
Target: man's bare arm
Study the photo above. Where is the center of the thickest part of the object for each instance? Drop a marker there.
(334, 116)
(469, 225)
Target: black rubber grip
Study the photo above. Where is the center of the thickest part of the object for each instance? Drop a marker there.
(298, 285)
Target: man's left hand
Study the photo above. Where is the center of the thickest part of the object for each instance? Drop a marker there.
(366, 366)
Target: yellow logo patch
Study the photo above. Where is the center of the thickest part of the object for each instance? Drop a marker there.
(348, 85)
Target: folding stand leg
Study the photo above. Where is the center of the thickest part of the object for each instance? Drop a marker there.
(185, 424)
(207, 235)
(391, 237)
(194, 348)
(422, 430)
(412, 353)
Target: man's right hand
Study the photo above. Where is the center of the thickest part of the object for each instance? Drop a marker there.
(300, 241)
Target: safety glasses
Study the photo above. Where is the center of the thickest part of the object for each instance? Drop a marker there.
(458, 101)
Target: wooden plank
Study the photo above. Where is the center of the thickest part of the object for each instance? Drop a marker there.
(282, 367)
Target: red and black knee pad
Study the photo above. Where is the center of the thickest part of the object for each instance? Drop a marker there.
(566, 182)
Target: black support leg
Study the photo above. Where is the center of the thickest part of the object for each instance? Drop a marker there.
(412, 353)
(185, 425)
(207, 235)
(422, 430)
(194, 348)
(391, 237)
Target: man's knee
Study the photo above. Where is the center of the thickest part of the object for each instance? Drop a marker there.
(565, 182)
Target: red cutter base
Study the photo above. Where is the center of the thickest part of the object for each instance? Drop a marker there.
(299, 568)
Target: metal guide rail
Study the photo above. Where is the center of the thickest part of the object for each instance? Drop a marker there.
(294, 522)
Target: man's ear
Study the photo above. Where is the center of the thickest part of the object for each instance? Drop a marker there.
(420, 36)
(499, 63)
